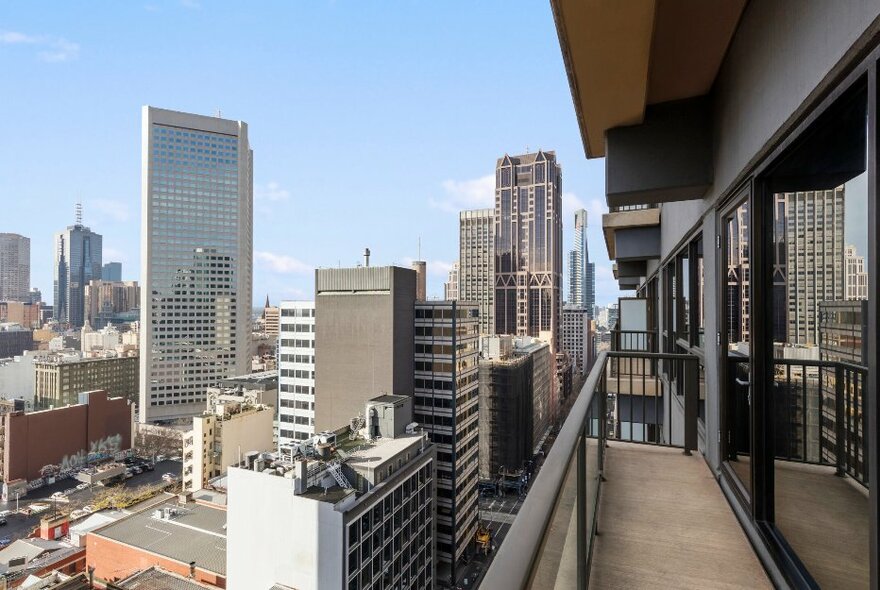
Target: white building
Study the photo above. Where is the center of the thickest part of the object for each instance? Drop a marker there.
(296, 372)
(234, 422)
(362, 517)
(577, 340)
(855, 276)
(197, 255)
(18, 375)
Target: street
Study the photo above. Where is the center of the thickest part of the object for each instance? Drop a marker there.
(20, 525)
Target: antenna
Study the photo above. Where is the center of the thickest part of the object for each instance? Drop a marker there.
(79, 213)
(219, 113)
(420, 247)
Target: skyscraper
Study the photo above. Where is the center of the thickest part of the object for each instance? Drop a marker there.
(581, 272)
(197, 254)
(77, 261)
(296, 373)
(528, 245)
(15, 267)
(112, 271)
(476, 272)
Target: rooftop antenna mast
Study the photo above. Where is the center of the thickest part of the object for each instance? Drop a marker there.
(420, 247)
(219, 113)
(79, 213)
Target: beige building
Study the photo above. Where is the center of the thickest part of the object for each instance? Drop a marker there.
(60, 378)
(104, 300)
(234, 423)
(476, 270)
(20, 312)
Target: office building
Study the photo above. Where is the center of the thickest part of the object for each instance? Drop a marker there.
(112, 272)
(235, 420)
(450, 287)
(77, 261)
(95, 424)
(14, 340)
(111, 302)
(739, 162)
(577, 337)
(60, 378)
(361, 509)
(186, 537)
(15, 267)
(197, 255)
(421, 268)
(364, 339)
(855, 276)
(296, 373)
(476, 272)
(528, 245)
(271, 320)
(581, 272)
(446, 392)
(515, 378)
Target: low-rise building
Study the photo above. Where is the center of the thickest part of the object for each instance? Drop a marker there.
(21, 312)
(354, 510)
(234, 421)
(38, 443)
(182, 536)
(60, 378)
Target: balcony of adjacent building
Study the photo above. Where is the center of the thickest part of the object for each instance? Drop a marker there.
(627, 499)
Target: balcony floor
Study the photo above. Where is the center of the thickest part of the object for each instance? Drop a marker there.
(664, 522)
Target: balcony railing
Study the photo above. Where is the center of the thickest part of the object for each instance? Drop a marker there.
(624, 398)
(820, 412)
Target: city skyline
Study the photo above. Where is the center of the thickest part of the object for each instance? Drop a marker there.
(293, 180)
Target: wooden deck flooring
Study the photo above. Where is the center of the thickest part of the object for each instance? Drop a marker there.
(663, 523)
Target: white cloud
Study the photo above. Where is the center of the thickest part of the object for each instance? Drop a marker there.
(459, 195)
(111, 254)
(281, 263)
(52, 49)
(110, 209)
(272, 191)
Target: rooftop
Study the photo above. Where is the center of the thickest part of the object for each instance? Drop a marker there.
(192, 532)
(156, 578)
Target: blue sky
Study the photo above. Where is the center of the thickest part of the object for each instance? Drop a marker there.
(372, 124)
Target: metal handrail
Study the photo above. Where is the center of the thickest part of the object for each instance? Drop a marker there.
(513, 565)
(517, 557)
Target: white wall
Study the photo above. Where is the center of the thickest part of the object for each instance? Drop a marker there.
(274, 536)
(18, 376)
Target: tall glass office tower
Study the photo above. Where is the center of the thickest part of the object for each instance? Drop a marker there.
(581, 272)
(77, 261)
(196, 258)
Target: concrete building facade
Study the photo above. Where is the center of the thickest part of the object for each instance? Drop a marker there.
(450, 287)
(59, 379)
(14, 340)
(197, 257)
(296, 373)
(364, 516)
(577, 336)
(106, 302)
(476, 273)
(528, 245)
(446, 407)
(364, 339)
(855, 277)
(234, 422)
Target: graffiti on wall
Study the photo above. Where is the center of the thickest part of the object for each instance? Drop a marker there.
(99, 449)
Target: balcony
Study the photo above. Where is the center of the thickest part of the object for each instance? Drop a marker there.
(632, 237)
(622, 501)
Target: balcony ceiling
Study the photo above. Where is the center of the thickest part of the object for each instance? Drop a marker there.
(622, 56)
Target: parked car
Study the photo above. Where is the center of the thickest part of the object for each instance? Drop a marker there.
(3, 521)
(82, 486)
(5, 513)
(57, 496)
(78, 514)
(88, 509)
(160, 458)
(137, 470)
(5, 541)
(148, 466)
(169, 477)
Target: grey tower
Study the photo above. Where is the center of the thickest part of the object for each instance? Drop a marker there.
(77, 261)
(528, 245)
(364, 339)
(112, 271)
(15, 267)
(196, 259)
(581, 272)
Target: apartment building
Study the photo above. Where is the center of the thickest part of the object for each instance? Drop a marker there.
(476, 271)
(361, 501)
(739, 146)
(234, 421)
